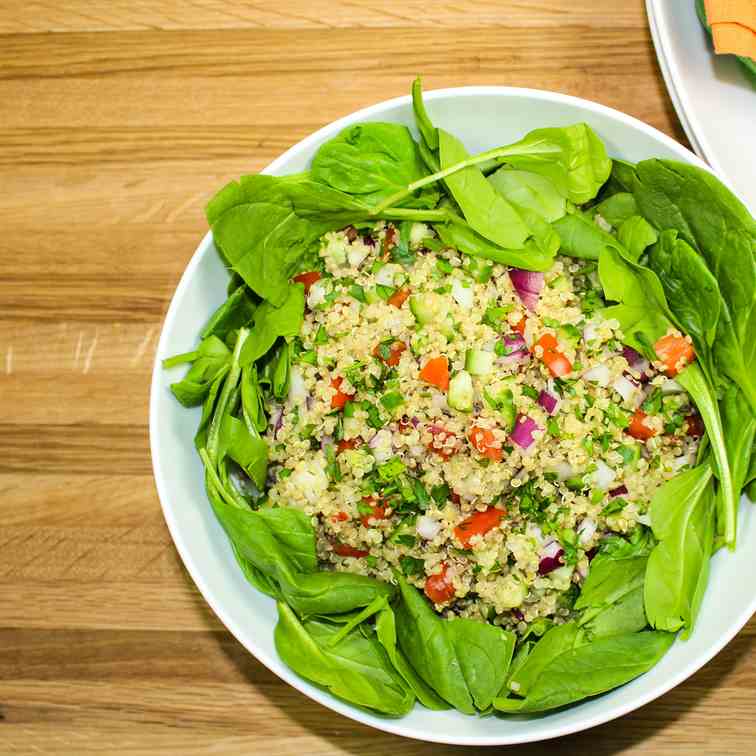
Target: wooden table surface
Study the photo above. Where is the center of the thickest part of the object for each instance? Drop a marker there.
(118, 119)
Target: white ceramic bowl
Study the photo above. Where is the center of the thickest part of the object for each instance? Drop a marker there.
(483, 117)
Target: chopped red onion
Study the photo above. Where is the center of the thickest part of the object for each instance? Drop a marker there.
(586, 530)
(632, 357)
(326, 441)
(427, 527)
(516, 349)
(528, 285)
(551, 558)
(276, 419)
(522, 434)
(548, 401)
(626, 387)
(637, 362)
(598, 374)
(619, 491)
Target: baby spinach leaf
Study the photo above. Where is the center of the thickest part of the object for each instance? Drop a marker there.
(270, 322)
(209, 360)
(642, 309)
(708, 216)
(581, 237)
(484, 652)
(487, 212)
(622, 178)
(326, 592)
(464, 661)
(424, 124)
(281, 371)
(693, 380)
(682, 517)
(553, 643)
(255, 577)
(385, 630)
(208, 406)
(356, 668)
(255, 541)
(459, 235)
(591, 669)
(280, 543)
(253, 404)
(610, 578)
(573, 158)
(430, 650)
(249, 451)
(236, 312)
(635, 234)
(691, 291)
(264, 242)
(739, 431)
(529, 190)
(626, 615)
(617, 208)
(293, 529)
(373, 161)
(325, 207)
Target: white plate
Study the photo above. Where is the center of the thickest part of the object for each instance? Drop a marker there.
(482, 117)
(714, 100)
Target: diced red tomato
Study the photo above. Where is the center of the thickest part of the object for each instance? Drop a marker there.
(347, 443)
(343, 549)
(694, 425)
(389, 242)
(339, 399)
(307, 279)
(340, 517)
(519, 326)
(395, 353)
(454, 497)
(439, 588)
(675, 352)
(378, 510)
(440, 443)
(479, 523)
(485, 443)
(554, 360)
(436, 372)
(399, 297)
(638, 428)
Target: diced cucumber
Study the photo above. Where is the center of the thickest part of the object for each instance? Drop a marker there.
(418, 343)
(560, 283)
(460, 395)
(372, 296)
(478, 362)
(429, 307)
(480, 270)
(503, 402)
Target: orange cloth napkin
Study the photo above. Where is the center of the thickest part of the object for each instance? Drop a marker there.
(733, 26)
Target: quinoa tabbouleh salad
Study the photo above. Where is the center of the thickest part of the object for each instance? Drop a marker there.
(478, 423)
(431, 427)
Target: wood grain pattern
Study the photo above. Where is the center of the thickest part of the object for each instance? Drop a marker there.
(118, 119)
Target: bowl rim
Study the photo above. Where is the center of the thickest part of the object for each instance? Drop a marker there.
(192, 565)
